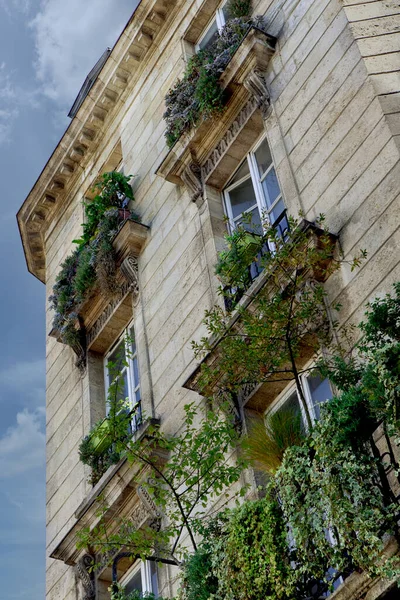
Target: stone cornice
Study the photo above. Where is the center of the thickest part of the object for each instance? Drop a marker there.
(65, 168)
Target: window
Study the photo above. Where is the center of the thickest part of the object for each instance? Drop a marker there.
(316, 391)
(213, 29)
(123, 359)
(255, 190)
(142, 577)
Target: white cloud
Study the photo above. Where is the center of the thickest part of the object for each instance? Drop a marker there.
(70, 37)
(12, 98)
(22, 446)
(25, 379)
(15, 6)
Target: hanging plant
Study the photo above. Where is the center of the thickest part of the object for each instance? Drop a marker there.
(92, 263)
(198, 95)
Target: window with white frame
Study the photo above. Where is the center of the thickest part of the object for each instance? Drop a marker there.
(316, 389)
(122, 361)
(141, 577)
(213, 29)
(254, 191)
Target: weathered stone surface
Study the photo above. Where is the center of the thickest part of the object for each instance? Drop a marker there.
(334, 132)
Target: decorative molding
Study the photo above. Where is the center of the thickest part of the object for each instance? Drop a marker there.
(192, 179)
(141, 514)
(106, 314)
(130, 270)
(61, 176)
(86, 577)
(148, 502)
(229, 137)
(255, 84)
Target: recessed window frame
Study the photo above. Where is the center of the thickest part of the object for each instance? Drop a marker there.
(218, 18)
(257, 180)
(291, 388)
(147, 577)
(133, 374)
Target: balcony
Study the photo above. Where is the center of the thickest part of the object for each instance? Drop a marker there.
(223, 140)
(262, 281)
(102, 317)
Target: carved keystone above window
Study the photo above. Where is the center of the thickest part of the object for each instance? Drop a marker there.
(220, 143)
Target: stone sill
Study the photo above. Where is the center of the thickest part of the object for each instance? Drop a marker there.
(254, 53)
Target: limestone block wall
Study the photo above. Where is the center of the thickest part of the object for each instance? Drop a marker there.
(335, 150)
(338, 135)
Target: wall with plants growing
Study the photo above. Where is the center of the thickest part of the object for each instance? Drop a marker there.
(198, 95)
(92, 264)
(328, 504)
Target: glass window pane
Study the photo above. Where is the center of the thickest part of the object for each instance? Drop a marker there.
(153, 575)
(254, 223)
(291, 403)
(276, 212)
(133, 339)
(121, 391)
(242, 171)
(320, 391)
(118, 358)
(263, 157)
(271, 187)
(210, 36)
(242, 198)
(135, 372)
(135, 583)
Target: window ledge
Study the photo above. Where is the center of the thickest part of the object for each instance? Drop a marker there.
(247, 92)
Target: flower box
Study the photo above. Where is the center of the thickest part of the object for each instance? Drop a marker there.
(101, 440)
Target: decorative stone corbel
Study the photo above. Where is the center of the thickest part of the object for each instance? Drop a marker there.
(255, 84)
(191, 177)
(130, 270)
(86, 577)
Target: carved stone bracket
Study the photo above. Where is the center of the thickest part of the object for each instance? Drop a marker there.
(130, 270)
(255, 84)
(86, 577)
(145, 511)
(192, 179)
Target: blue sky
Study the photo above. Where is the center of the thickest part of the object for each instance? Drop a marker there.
(46, 50)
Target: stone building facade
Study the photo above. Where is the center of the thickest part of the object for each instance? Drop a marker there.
(322, 93)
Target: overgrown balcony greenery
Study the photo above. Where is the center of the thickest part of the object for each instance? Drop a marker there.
(326, 510)
(199, 96)
(331, 497)
(92, 264)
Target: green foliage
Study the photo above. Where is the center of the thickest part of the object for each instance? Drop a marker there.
(257, 559)
(118, 593)
(238, 8)
(292, 304)
(198, 95)
(268, 439)
(92, 262)
(187, 472)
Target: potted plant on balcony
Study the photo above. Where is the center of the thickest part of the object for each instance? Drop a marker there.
(92, 264)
